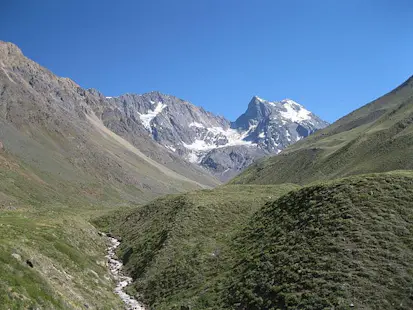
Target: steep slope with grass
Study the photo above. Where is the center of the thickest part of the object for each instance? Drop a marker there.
(52, 258)
(176, 248)
(375, 138)
(337, 245)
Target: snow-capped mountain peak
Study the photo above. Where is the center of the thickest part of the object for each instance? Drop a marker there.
(223, 147)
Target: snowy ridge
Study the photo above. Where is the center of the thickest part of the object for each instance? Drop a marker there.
(295, 112)
(215, 137)
(289, 110)
(223, 147)
(269, 125)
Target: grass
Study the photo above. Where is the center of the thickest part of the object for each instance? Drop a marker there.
(69, 270)
(342, 244)
(329, 246)
(176, 248)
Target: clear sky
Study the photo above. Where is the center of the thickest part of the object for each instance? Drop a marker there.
(332, 56)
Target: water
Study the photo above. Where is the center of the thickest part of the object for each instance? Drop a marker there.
(122, 281)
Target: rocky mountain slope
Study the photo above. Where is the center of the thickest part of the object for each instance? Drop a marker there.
(222, 147)
(375, 138)
(172, 132)
(57, 143)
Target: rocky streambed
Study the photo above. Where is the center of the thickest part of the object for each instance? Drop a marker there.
(115, 267)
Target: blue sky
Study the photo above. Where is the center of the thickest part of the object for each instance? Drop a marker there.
(331, 56)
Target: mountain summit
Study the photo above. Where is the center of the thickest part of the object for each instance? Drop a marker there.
(224, 148)
(374, 138)
(275, 125)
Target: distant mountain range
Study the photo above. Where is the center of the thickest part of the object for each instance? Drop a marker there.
(140, 145)
(222, 147)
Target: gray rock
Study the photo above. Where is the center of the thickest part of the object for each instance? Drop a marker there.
(17, 256)
(222, 147)
(52, 124)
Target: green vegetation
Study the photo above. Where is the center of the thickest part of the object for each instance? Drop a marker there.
(329, 246)
(69, 268)
(177, 247)
(336, 245)
(375, 138)
(67, 254)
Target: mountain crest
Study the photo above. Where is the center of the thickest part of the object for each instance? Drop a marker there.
(215, 143)
(165, 128)
(9, 49)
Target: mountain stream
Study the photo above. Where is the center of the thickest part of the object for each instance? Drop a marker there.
(122, 281)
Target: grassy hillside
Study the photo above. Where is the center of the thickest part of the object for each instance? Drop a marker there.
(375, 138)
(176, 248)
(69, 268)
(338, 245)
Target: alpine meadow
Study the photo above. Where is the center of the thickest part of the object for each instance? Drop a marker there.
(206, 155)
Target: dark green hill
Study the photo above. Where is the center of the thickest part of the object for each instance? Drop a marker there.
(375, 138)
(176, 248)
(340, 245)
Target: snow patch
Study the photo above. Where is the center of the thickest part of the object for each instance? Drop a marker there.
(199, 145)
(194, 158)
(288, 135)
(266, 101)
(294, 111)
(272, 103)
(210, 140)
(148, 117)
(261, 135)
(196, 124)
(233, 136)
